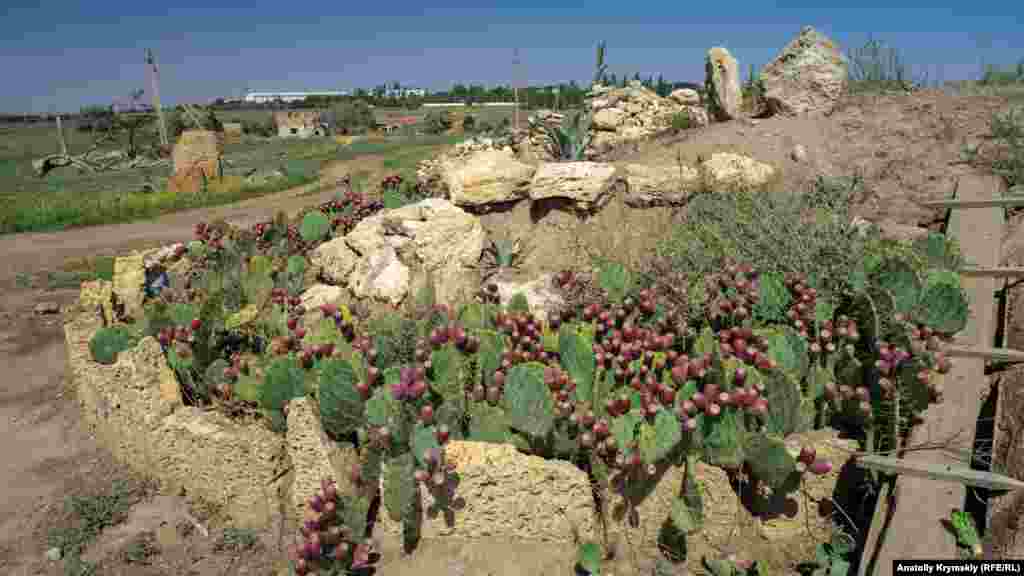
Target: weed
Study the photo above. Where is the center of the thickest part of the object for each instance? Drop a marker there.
(75, 566)
(1005, 156)
(680, 121)
(89, 515)
(140, 549)
(1008, 128)
(236, 539)
(876, 67)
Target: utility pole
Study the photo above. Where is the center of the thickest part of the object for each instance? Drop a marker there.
(154, 79)
(515, 87)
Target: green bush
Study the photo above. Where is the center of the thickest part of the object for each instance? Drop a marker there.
(264, 128)
(995, 76)
(353, 117)
(437, 122)
(469, 123)
(680, 121)
(752, 227)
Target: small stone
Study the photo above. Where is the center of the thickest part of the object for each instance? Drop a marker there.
(47, 308)
(53, 554)
(798, 153)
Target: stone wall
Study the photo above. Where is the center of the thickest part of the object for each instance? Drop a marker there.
(135, 409)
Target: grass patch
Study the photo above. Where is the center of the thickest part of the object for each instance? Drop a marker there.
(70, 275)
(65, 200)
(86, 516)
(236, 540)
(68, 209)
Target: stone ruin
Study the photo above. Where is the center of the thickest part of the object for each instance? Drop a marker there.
(197, 157)
(299, 123)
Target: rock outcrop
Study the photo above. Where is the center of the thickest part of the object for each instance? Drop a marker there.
(588, 184)
(725, 171)
(723, 84)
(391, 254)
(635, 113)
(486, 177)
(668, 185)
(808, 76)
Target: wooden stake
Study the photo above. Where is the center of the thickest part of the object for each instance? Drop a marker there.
(997, 272)
(999, 354)
(60, 137)
(986, 203)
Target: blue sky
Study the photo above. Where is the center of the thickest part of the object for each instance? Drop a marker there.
(59, 56)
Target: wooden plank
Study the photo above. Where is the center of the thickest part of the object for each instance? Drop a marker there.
(998, 354)
(1003, 272)
(976, 203)
(1003, 538)
(960, 474)
(916, 530)
(875, 530)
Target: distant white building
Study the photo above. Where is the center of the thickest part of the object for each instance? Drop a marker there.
(263, 97)
(404, 92)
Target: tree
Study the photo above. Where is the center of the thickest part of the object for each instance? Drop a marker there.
(354, 116)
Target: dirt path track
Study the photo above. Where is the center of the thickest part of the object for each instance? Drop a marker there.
(26, 253)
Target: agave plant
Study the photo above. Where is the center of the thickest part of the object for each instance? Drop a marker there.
(570, 140)
(501, 255)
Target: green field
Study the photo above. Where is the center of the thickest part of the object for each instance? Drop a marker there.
(67, 197)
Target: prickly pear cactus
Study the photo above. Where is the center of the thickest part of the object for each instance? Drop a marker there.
(722, 439)
(400, 494)
(615, 279)
(784, 416)
(283, 380)
(788, 349)
(315, 227)
(527, 402)
(108, 342)
(899, 279)
(944, 306)
(342, 410)
(658, 439)
(771, 463)
(576, 353)
(939, 252)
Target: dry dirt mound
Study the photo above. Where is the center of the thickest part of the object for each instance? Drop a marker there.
(905, 146)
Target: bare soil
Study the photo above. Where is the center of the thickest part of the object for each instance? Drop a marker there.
(906, 147)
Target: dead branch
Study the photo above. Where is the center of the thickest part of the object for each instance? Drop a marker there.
(95, 161)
